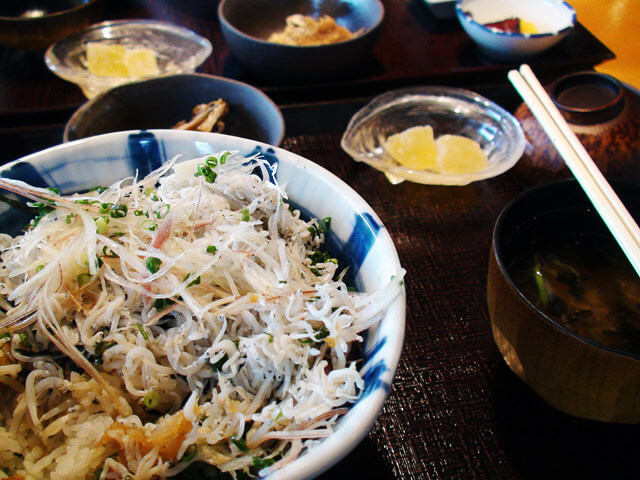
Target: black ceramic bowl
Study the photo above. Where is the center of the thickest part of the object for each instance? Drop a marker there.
(588, 378)
(36, 24)
(164, 101)
(246, 25)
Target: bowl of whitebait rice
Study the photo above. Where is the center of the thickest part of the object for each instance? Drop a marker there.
(180, 304)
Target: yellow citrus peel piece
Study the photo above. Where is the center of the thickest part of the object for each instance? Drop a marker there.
(413, 148)
(459, 155)
(416, 148)
(108, 60)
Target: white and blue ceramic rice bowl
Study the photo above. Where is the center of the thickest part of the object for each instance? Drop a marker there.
(357, 233)
(554, 19)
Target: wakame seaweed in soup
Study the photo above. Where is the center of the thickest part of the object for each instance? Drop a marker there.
(586, 284)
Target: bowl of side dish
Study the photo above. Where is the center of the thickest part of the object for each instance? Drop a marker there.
(36, 24)
(111, 53)
(564, 302)
(301, 39)
(434, 135)
(515, 30)
(193, 101)
(355, 236)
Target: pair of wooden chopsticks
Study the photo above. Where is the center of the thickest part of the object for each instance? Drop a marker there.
(604, 199)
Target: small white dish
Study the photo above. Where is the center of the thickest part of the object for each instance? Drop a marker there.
(448, 111)
(553, 20)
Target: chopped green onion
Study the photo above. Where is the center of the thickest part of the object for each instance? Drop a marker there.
(162, 303)
(83, 279)
(245, 215)
(55, 190)
(162, 211)
(323, 227)
(150, 192)
(223, 158)
(149, 225)
(261, 463)
(322, 257)
(118, 210)
(99, 189)
(151, 400)
(138, 213)
(190, 453)
(205, 171)
(142, 331)
(70, 217)
(101, 225)
(318, 336)
(194, 282)
(153, 264)
(108, 253)
(216, 367)
(212, 161)
(25, 343)
(39, 267)
(43, 209)
(211, 249)
(240, 443)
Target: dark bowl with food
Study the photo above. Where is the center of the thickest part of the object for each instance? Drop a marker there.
(36, 24)
(254, 28)
(165, 102)
(564, 302)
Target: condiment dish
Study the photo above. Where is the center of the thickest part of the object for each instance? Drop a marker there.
(247, 24)
(176, 49)
(164, 101)
(36, 24)
(448, 111)
(551, 21)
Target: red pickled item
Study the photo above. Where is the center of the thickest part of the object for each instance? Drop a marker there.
(511, 25)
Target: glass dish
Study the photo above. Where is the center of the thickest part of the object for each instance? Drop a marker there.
(177, 50)
(448, 111)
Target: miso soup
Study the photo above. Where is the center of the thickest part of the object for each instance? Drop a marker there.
(586, 284)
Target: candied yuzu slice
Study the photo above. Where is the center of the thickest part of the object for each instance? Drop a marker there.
(413, 148)
(140, 62)
(459, 155)
(106, 60)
